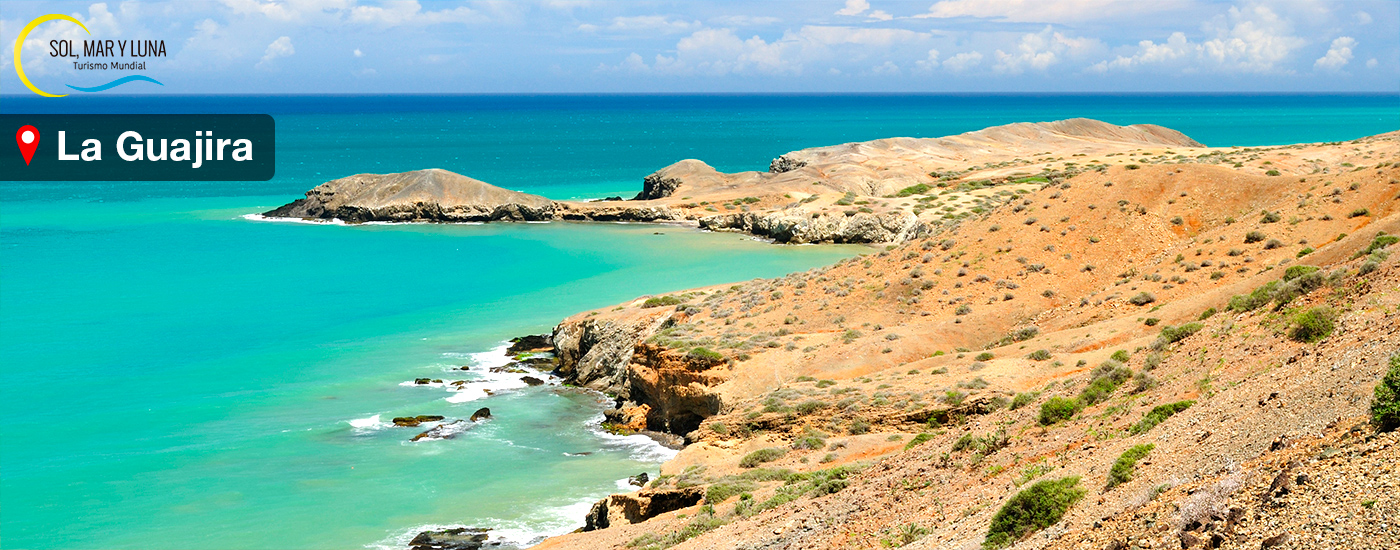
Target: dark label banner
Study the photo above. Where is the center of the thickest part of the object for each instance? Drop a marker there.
(138, 148)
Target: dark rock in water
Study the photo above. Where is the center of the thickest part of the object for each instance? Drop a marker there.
(441, 431)
(422, 380)
(540, 362)
(481, 414)
(460, 538)
(466, 367)
(532, 381)
(410, 421)
(532, 342)
(513, 368)
(639, 480)
(437, 380)
(641, 506)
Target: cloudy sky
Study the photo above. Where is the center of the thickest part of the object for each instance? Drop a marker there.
(368, 46)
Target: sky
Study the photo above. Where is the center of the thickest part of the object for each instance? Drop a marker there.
(588, 46)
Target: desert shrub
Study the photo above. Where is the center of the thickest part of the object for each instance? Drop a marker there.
(720, 491)
(1172, 335)
(825, 383)
(1269, 217)
(1023, 399)
(1254, 300)
(719, 428)
(1358, 213)
(1058, 409)
(809, 442)
(1105, 379)
(1120, 356)
(1305, 251)
(1152, 361)
(1313, 325)
(1037, 507)
(1132, 166)
(918, 440)
(985, 356)
(810, 406)
(1158, 414)
(661, 301)
(1385, 406)
(1142, 299)
(982, 445)
(858, 426)
(1151, 321)
(1208, 313)
(1272, 244)
(1254, 237)
(1293, 272)
(1381, 241)
(953, 397)
(706, 354)
(1122, 471)
(1143, 382)
(761, 456)
(1024, 333)
(1271, 173)
(1039, 355)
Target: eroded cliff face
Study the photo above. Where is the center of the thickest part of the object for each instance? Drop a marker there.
(799, 227)
(658, 388)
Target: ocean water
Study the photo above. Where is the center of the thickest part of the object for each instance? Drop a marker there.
(173, 375)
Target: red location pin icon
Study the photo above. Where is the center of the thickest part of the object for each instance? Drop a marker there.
(28, 139)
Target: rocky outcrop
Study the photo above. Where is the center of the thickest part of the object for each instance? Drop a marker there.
(410, 421)
(422, 195)
(481, 414)
(640, 506)
(595, 352)
(533, 342)
(460, 538)
(784, 164)
(827, 227)
(678, 387)
(615, 212)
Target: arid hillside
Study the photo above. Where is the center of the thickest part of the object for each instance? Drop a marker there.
(1230, 308)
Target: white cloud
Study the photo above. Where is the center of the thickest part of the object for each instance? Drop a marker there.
(1338, 55)
(928, 63)
(1250, 40)
(359, 53)
(652, 24)
(1038, 51)
(721, 51)
(744, 21)
(1371, 63)
(1363, 18)
(886, 68)
(854, 7)
(410, 12)
(880, 15)
(282, 47)
(1047, 11)
(963, 61)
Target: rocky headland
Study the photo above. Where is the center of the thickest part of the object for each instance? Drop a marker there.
(869, 192)
(1106, 346)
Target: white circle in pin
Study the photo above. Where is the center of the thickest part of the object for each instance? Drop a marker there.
(27, 136)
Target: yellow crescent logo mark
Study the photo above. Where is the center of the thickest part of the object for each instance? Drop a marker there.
(19, 43)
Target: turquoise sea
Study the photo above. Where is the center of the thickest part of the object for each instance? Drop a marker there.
(173, 375)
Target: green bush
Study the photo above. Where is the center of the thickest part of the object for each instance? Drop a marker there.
(985, 356)
(918, 440)
(1105, 380)
(1254, 300)
(761, 456)
(1296, 271)
(1122, 471)
(660, 301)
(1172, 335)
(1208, 313)
(1254, 237)
(1120, 356)
(1159, 414)
(720, 491)
(1381, 241)
(810, 406)
(1023, 399)
(1039, 355)
(1058, 409)
(706, 354)
(1385, 406)
(1037, 507)
(1142, 299)
(1313, 325)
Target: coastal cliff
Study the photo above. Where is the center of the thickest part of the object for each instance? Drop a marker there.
(882, 191)
(1180, 344)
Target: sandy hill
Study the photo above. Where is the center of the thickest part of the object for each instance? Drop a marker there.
(903, 397)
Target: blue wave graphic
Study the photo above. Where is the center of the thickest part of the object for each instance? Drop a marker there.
(115, 83)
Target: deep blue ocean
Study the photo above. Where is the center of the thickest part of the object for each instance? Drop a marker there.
(173, 375)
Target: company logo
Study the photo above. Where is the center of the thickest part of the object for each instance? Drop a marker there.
(104, 50)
